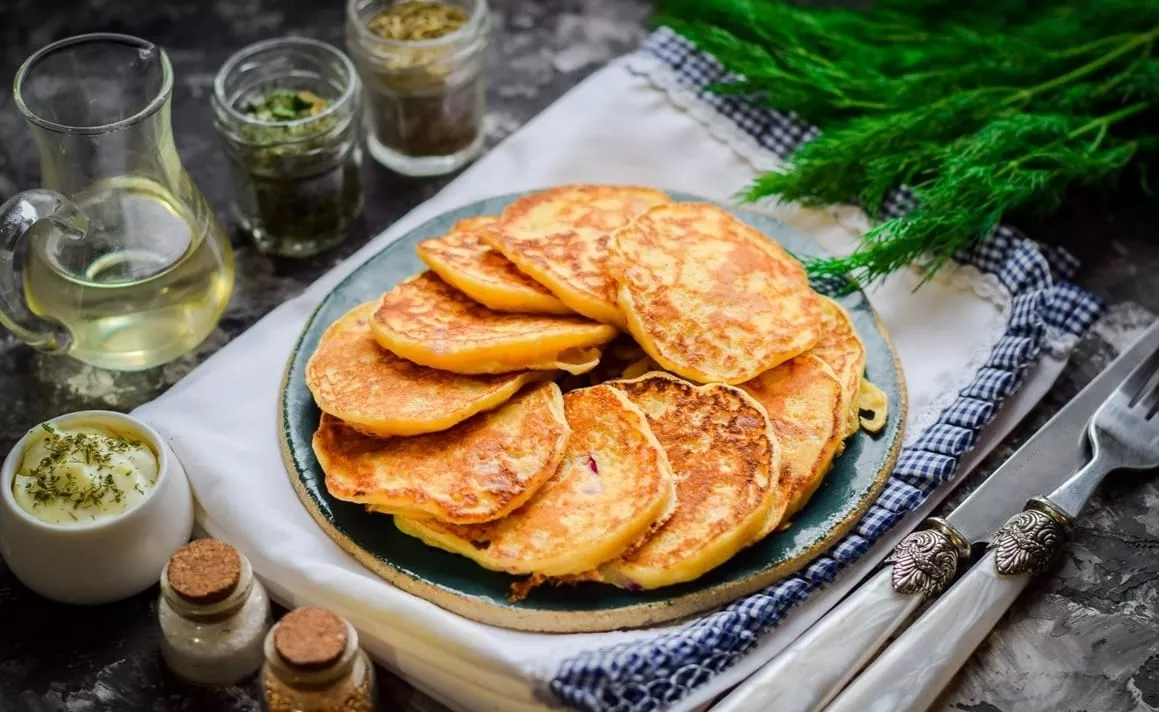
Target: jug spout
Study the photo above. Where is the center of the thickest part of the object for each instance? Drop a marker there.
(98, 108)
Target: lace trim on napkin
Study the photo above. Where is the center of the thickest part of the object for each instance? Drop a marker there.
(652, 674)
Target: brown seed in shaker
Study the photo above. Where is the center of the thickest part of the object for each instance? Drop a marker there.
(280, 699)
(310, 638)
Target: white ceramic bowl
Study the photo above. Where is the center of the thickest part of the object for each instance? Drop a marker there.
(106, 560)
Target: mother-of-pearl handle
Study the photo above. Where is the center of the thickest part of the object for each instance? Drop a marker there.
(811, 672)
(914, 670)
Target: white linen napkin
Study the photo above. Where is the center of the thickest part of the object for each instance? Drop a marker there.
(631, 122)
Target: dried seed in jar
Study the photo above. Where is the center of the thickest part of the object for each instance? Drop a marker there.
(280, 698)
(417, 20)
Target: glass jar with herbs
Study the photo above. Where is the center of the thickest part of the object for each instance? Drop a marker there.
(288, 111)
(423, 66)
(313, 664)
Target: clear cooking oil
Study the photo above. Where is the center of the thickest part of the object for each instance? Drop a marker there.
(146, 284)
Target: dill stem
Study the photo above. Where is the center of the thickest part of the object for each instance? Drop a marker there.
(1095, 44)
(1126, 74)
(860, 104)
(1088, 68)
(840, 99)
(1099, 137)
(811, 56)
(1103, 122)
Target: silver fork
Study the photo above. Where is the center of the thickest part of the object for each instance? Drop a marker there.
(914, 669)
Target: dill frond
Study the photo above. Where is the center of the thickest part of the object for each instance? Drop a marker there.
(1018, 160)
(980, 108)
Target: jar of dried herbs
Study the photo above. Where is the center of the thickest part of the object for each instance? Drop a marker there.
(313, 664)
(288, 111)
(422, 63)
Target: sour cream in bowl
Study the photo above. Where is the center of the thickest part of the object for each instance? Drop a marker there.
(92, 504)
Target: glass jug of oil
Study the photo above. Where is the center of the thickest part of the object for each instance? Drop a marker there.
(124, 265)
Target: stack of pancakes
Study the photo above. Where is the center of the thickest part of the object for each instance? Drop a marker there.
(706, 390)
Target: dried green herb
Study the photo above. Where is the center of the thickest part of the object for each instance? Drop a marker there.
(285, 105)
(297, 173)
(980, 108)
(282, 110)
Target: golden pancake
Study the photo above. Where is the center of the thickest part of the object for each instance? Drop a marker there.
(873, 406)
(806, 405)
(427, 321)
(614, 482)
(468, 264)
(479, 470)
(560, 238)
(376, 392)
(710, 298)
(725, 457)
(841, 348)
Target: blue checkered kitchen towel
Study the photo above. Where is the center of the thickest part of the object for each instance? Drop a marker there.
(652, 675)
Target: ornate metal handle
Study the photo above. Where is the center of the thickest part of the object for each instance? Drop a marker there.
(1031, 540)
(926, 561)
(914, 670)
(812, 670)
(17, 217)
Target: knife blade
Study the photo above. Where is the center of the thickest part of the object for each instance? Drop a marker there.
(1043, 463)
(809, 673)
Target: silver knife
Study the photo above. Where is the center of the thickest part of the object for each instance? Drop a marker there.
(810, 673)
(916, 667)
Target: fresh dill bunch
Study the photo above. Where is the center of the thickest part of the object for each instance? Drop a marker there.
(823, 62)
(980, 108)
(865, 159)
(1017, 160)
(822, 65)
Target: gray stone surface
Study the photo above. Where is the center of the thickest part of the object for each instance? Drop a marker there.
(1086, 639)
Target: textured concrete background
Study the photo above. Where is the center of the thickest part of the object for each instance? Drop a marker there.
(1086, 639)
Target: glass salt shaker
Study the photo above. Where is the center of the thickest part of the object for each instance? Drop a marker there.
(289, 114)
(214, 614)
(422, 64)
(313, 664)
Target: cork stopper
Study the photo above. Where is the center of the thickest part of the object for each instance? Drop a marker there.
(310, 638)
(204, 571)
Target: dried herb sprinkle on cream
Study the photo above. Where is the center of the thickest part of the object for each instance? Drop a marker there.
(86, 470)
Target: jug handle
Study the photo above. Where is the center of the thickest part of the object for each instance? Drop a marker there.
(17, 216)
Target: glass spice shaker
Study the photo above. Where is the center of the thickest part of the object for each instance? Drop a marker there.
(422, 64)
(289, 114)
(313, 664)
(214, 614)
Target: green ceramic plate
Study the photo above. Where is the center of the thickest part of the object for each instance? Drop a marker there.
(459, 585)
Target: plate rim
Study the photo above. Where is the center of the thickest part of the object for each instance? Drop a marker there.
(641, 615)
